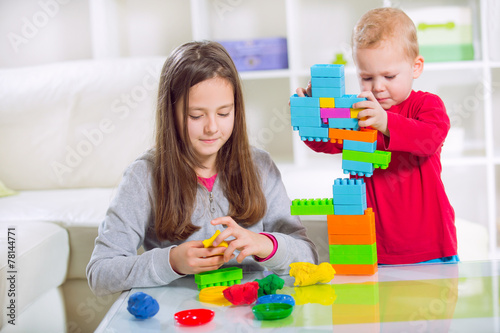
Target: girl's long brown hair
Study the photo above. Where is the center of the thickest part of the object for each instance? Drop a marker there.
(175, 180)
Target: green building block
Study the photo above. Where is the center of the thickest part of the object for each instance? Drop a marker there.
(220, 277)
(354, 249)
(352, 259)
(312, 207)
(380, 159)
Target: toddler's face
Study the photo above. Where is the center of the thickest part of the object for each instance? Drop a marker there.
(386, 72)
(210, 117)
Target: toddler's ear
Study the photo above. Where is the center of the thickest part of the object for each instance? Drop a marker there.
(418, 66)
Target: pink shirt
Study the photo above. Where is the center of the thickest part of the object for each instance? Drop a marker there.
(208, 182)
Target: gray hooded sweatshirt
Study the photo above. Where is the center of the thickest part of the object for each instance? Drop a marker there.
(129, 223)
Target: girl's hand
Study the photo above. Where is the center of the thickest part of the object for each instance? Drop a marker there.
(373, 114)
(246, 241)
(302, 92)
(193, 258)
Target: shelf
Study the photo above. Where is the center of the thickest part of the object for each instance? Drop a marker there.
(464, 161)
(348, 70)
(455, 65)
(269, 74)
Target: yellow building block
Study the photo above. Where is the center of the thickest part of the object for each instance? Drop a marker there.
(326, 102)
(209, 241)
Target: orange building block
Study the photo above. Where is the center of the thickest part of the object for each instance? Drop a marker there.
(360, 239)
(351, 224)
(364, 134)
(356, 269)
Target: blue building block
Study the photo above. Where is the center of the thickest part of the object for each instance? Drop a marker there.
(327, 82)
(304, 111)
(349, 199)
(328, 92)
(347, 101)
(349, 209)
(314, 134)
(367, 147)
(327, 70)
(349, 186)
(357, 168)
(343, 123)
(295, 100)
(307, 121)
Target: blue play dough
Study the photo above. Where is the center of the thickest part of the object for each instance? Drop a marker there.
(142, 305)
(276, 298)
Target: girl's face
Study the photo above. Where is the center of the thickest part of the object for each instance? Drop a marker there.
(210, 118)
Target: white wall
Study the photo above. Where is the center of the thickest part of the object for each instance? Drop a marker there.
(42, 31)
(35, 32)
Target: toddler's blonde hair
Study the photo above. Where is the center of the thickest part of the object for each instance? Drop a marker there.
(386, 24)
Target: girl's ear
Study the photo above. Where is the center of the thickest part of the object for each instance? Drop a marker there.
(418, 66)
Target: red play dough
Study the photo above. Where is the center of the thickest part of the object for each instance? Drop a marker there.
(242, 294)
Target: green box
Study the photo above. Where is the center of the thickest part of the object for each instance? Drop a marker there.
(445, 33)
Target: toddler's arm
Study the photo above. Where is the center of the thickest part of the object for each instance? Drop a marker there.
(373, 114)
(419, 127)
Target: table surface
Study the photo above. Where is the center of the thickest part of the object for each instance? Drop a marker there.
(461, 297)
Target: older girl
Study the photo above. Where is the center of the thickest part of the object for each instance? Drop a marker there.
(201, 177)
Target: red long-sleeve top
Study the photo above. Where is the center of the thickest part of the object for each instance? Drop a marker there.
(413, 217)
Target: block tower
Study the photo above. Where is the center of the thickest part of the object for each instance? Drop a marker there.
(328, 115)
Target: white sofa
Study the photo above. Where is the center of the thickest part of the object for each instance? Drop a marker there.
(67, 132)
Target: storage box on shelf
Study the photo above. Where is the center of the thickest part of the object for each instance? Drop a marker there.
(444, 32)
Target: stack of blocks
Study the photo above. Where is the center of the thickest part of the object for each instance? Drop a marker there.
(351, 229)
(329, 116)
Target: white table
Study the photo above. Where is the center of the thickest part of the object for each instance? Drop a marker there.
(461, 297)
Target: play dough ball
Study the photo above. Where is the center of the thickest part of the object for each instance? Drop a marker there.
(142, 305)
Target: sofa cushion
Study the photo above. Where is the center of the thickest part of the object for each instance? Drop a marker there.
(35, 317)
(76, 124)
(79, 211)
(71, 207)
(42, 254)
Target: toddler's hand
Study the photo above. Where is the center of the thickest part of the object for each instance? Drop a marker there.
(246, 241)
(302, 92)
(192, 258)
(373, 114)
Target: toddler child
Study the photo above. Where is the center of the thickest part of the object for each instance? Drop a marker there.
(415, 221)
